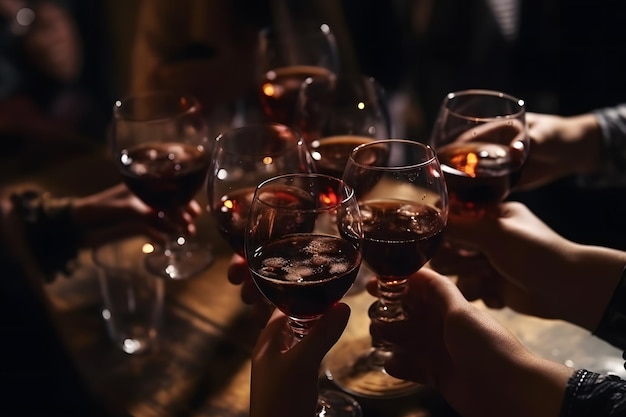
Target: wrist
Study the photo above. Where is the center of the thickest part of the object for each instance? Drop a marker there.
(539, 387)
(585, 130)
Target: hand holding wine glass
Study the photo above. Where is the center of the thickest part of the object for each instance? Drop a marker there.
(161, 146)
(303, 248)
(404, 204)
(482, 142)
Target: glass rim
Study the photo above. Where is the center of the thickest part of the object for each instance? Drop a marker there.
(413, 143)
(520, 103)
(299, 139)
(193, 104)
(343, 185)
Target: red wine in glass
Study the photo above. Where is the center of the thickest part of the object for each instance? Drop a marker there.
(243, 158)
(279, 90)
(304, 274)
(302, 245)
(161, 145)
(166, 176)
(411, 234)
(404, 206)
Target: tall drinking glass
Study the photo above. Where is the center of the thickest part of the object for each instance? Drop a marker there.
(303, 247)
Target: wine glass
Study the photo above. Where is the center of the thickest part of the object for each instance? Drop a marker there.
(285, 58)
(404, 205)
(302, 246)
(336, 114)
(242, 158)
(161, 145)
(482, 142)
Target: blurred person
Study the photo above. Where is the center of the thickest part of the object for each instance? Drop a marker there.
(40, 236)
(55, 85)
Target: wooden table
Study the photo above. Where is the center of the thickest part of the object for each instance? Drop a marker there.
(202, 365)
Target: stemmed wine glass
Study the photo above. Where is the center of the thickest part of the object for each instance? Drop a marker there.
(242, 158)
(404, 205)
(161, 145)
(286, 56)
(303, 248)
(482, 142)
(336, 114)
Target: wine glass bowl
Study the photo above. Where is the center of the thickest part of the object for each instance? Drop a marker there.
(302, 246)
(242, 158)
(404, 206)
(482, 143)
(160, 141)
(285, 59)
(335, 114)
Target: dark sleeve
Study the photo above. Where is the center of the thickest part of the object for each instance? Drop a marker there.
(612, 121)
(589, 394)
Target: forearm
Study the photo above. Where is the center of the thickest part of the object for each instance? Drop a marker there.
(590, 267)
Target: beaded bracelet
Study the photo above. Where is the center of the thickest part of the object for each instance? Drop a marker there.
(49, 230)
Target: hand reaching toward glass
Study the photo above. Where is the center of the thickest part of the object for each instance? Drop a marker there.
(404, 204)
(303, 248)
(161, 145)
(117, 212)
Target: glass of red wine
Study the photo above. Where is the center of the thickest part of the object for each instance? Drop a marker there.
(161, 146)
(482, 142)
(242, 158)
(336, 114)
(404, 205)
(303, 248)
(286, 56)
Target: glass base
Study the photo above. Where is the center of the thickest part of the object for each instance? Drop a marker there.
(350, 367)
(184, 263)
(337, 404)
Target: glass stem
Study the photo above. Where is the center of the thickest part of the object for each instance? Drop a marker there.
(298, 329)
(388, 308)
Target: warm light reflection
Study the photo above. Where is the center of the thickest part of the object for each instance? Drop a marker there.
(268, 89)
(268, 160)
(147, 248)
(466, 163)
(360, 105)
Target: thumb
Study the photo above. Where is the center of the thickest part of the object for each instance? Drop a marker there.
(325, 333)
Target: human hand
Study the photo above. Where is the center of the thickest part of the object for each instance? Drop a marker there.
(560, 147)
(116, 212)
(527, 266)
(285, 382)
(479, 367)
(239, 274)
